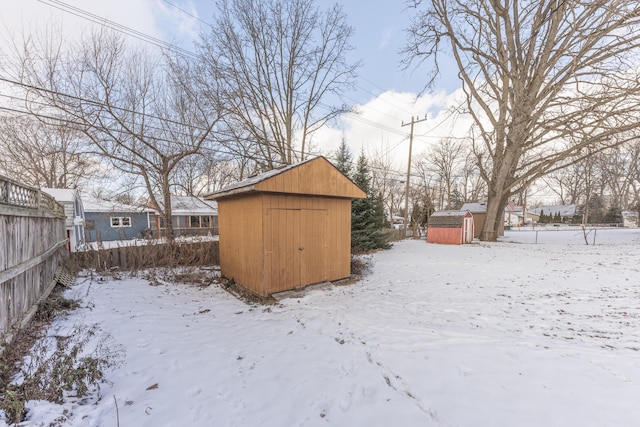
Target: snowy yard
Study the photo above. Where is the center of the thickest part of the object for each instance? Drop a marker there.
(503, 334)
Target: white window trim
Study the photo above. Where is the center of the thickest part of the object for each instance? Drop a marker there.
(119, 221)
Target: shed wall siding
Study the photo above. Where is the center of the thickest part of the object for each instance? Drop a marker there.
(240, 222)
(450, 236)
(478, 220)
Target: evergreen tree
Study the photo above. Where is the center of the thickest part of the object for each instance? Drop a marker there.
(613, 215)
(369, 228)
(344, 159)
(542, 218)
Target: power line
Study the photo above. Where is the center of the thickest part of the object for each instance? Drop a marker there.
(406, 194)
(186, 13)
(84, 14)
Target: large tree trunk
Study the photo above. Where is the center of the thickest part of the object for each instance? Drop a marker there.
(166, 195)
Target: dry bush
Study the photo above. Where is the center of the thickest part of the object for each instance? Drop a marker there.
(39, 367)
(360, 265)
(149, 256)
(200, 276)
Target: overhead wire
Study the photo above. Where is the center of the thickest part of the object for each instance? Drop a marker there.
(187, 13)
(84, 14)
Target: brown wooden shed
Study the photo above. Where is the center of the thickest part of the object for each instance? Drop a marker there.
(287, 228)
(450, 227)
(479, 212)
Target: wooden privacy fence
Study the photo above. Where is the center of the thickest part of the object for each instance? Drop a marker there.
(149, 256)
(32, 246)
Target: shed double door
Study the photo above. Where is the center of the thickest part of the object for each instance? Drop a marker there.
(296, 248)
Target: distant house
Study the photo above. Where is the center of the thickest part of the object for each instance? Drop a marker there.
(110, 221)
(450, 227)
(630, 219)
(190, 216)
(567, 212)
(514, 217)
(479, 212)
(71, 201)
(519, 216)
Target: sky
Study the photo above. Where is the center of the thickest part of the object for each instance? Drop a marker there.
(432, 335)
(385, 95)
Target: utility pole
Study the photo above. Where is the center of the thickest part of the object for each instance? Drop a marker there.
(406, 190)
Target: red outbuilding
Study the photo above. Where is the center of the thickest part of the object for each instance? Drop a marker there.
(450, 227)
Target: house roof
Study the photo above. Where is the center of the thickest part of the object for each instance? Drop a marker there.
(474, 207)
(190, 205)
(481, 207)
(68, 195)
(315, 176)
(448, 219)
(94, 205)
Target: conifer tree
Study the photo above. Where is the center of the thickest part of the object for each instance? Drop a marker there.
(344, 159)
(369, 228)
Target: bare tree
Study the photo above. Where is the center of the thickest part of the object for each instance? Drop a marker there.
(473, 186)
(544, 81)
(445, 159)
(203, 174)
(142, 112)
(280, 61)
(43, 155)
(615, 171)
(387, 182)
(568, 183)
(634, 172)
(428, 185)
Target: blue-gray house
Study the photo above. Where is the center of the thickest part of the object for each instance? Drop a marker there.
(109, 221)
(190, 216)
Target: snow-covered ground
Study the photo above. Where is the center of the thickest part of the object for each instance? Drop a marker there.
(489, 334)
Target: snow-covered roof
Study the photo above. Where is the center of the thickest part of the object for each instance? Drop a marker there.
(450, 213)
(190, 205)
(474, 207)
(449, 218)
(92, 204)
(62, 194)
(482, 207)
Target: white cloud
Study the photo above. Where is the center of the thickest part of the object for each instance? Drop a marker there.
(377, 128)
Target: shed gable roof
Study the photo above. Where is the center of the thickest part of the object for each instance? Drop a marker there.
(448, 219)
(315, 177)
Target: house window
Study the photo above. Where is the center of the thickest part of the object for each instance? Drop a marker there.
(194, 222)
(121, 221)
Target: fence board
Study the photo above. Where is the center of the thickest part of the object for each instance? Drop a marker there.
(32, 246)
